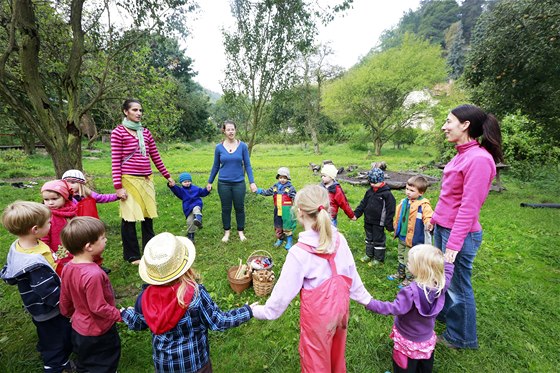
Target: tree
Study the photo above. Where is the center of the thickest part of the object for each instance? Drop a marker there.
(58, 63)
(373, 93)
(513, 61)
(261, 51)
(456, 50)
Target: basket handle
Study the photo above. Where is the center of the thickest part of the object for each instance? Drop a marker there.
(259, 251)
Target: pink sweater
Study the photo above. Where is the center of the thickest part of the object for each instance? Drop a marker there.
(305, 270)
(466, 182)
(126, 158)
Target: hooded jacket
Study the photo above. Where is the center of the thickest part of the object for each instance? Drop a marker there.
(190, 196)
(415, 313)
(37, 282)
(337, 198)
(420, 214)
(378, 207)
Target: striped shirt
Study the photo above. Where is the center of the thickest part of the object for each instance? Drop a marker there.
(185, 348)
(126, 158)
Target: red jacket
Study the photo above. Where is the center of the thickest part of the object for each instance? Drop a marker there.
(338, 199)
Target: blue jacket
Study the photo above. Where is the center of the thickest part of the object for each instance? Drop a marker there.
(190, 196)
(38, 283)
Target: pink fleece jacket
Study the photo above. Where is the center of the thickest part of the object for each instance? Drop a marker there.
(466, 182)
(305, 270)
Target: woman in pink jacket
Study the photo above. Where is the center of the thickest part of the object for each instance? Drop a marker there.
(457, 232)
(321, 268)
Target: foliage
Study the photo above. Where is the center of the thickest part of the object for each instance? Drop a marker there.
(523, 145)
(512, 63)
(517, 329)
(373, 93)
(457, 50)
(428, 22)
(59, 61)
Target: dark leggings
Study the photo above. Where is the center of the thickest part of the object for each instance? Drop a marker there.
(416, 366)
(232, 194)
(131, 249)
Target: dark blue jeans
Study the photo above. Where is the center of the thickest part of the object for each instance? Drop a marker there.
(232, 194)
(55, 344)
(459, 312)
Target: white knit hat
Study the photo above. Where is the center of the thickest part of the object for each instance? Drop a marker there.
(329, 170)
(74, 175)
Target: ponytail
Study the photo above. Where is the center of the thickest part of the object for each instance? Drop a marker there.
(482, 125)
(313, 201)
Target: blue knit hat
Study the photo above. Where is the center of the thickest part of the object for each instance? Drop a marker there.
(185, 176)
(376, 175)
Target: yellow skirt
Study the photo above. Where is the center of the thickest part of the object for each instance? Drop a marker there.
(141, 201)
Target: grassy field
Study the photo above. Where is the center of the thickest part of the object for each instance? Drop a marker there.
(516, 273)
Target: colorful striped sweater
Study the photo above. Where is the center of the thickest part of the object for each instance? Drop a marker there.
(126, 158)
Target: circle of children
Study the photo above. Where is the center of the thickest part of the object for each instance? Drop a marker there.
(56, 262)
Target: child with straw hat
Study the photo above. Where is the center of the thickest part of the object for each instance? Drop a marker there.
(177, 309)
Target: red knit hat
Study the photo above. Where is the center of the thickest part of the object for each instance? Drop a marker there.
(58, 186)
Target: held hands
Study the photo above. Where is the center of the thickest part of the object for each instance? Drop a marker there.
(253, 305)
(354, 218)
(121, 194)
(209, 187)
(429, 227)
(171, 182)
(254, 187)
(450, 255)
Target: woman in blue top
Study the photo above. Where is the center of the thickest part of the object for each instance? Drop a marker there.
(231, 160)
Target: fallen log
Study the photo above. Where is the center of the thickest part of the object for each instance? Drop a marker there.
(541, 205)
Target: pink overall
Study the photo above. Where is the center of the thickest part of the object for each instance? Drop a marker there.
(324, 320)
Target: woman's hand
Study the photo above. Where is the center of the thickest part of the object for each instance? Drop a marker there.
(121, 194)
(209, 187)
(429, 227)
(253, 187)
(171, 181)
(450, 255)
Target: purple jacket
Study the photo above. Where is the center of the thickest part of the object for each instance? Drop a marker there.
(415, 315)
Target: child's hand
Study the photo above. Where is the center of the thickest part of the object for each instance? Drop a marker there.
(171, 182)
(253, 187)
(209, 187)
(354, 218)
(253, 305)
(429, 226)
(450, 255)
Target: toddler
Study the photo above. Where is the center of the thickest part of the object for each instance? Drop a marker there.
(413, 214)
(283, 193)
(337, 197)
(86, 200)
(378, 208)
(57, 196)
(30, 265)
(191, 195)
(415, 308)
(320, 267)
(88, 299)
(180, 339)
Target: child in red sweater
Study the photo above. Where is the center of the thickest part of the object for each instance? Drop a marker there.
(337, 197)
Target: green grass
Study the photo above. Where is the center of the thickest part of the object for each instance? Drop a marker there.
(516, 273)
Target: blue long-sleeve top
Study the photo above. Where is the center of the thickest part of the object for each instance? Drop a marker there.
(232, 166)
(190, 196)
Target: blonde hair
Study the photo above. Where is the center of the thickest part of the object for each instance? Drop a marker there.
(20, 216)
(313, 201)
(190, 278)
(425, 262)
(83, 190)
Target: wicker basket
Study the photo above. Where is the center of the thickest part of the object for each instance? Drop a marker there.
(258, 254)
(237, 285)
(263, 282)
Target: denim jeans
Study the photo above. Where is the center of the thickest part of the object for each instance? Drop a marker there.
(232, 194)
(459, 312)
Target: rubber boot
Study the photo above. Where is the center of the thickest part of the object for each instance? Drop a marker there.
(190, 236)
(289, 243)
(198, 221)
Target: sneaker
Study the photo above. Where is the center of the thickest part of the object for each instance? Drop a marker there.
(365, 259)
(396, 276)
(375, 263)
(405, 283)
(198, 221)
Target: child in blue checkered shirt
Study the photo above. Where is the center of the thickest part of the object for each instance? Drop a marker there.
(177, 309)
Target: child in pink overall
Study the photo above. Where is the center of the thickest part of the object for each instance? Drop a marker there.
(321, 268)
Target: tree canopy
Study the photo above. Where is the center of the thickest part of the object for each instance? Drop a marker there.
(373, 93)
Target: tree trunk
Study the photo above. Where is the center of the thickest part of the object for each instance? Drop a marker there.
(315, 140)
(378, 144)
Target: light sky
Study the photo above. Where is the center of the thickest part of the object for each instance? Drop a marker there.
(350, 36)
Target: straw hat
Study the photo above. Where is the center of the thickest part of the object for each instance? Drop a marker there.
(166, 258)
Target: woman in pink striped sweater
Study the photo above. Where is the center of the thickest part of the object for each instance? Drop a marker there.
(457, 232)
(132, 148)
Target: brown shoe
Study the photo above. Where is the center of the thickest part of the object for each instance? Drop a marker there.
(440, 340)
